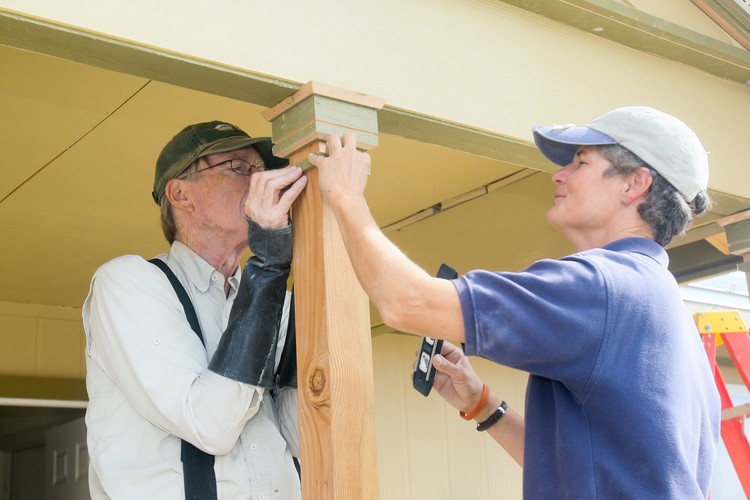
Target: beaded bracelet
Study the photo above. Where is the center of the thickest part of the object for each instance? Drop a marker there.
(494, 418)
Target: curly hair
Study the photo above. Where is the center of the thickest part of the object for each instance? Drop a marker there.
(665, 210)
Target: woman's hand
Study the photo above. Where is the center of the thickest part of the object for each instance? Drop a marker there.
(455, 379)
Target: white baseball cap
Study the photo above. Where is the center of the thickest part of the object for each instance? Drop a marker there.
(664, 142)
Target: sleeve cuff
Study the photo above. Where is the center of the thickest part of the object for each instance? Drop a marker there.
(271, 246)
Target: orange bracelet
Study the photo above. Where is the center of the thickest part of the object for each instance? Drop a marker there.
(482, 401)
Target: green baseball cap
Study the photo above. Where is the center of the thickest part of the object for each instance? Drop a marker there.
(202, 139)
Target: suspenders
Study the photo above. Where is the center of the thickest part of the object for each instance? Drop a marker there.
(197, 465)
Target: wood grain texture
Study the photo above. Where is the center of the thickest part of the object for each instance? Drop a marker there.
(337, 416)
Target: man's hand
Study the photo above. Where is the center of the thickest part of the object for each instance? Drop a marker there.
(344, 171)
(455, 379)
(271, 194)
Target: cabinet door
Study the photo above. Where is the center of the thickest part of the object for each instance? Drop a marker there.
(66, 471)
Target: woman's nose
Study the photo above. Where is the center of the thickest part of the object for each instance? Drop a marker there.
(561, 175)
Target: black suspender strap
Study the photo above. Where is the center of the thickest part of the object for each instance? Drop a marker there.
(183, 296)
(197, 465)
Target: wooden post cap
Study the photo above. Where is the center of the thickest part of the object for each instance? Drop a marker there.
(317, 110)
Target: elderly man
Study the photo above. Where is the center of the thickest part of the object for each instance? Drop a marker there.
(185, 399)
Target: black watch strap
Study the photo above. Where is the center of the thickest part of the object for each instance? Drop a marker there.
(494, 418)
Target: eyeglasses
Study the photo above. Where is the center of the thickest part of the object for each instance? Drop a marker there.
(238, 166)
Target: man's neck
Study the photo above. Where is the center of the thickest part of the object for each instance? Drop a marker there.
(224, 258)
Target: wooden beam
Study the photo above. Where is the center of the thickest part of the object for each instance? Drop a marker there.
(719, 242)
(334, 346)
(42, 388)
(741, 411)
(614, 20)
(729, 16)
(737, 230)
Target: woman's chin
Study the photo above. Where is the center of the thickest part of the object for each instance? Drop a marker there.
(552, 215)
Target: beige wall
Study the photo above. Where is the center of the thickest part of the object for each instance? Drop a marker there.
(41, 341)
(425, 450)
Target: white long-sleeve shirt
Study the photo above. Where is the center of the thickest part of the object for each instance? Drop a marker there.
(149, 387)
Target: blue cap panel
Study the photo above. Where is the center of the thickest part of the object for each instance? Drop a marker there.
(559, 144)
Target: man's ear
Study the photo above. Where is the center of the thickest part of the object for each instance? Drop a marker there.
(639, 182)
(177, 192)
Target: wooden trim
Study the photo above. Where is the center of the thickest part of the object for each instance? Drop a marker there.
(62, 389)
(631, 27)
(39, 311)
(729, 17)
(108, 52)
(322, 89)
(733, 219)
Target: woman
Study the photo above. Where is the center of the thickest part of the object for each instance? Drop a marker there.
(620, 401)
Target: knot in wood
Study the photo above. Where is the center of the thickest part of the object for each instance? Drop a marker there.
(317, 381)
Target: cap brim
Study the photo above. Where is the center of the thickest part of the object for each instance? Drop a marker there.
(262, 145)
(559, 144)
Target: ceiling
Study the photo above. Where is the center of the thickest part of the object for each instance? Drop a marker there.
(79, 146)
(79, 150)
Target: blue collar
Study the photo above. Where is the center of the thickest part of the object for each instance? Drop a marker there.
(643, 246)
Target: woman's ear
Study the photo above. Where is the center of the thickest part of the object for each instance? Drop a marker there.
(639, 182)
(178, 194)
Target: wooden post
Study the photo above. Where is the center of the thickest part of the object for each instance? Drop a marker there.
(334, 347)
